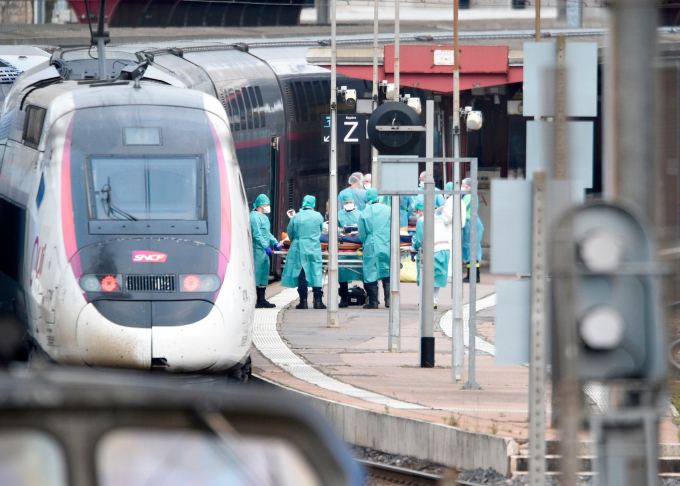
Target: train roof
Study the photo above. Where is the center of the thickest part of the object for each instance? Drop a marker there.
(62, 97)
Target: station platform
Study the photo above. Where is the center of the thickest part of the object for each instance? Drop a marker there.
(351, 364)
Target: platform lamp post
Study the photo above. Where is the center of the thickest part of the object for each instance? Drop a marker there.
(374, 94)
(394, 340)
(457, 335)
(332, 320)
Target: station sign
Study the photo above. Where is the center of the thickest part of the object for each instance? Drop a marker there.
(351, 129)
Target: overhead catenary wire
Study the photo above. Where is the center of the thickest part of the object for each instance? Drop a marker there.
(365, 3)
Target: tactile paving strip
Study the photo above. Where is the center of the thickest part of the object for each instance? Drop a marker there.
(446, 323)
(268, 341)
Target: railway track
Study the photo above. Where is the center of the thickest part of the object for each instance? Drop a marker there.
(399, 475)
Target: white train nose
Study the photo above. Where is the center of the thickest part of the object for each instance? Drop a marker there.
(103, 343)
(190, 347)
(188, 342)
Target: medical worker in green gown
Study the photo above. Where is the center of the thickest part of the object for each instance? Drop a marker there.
(303, 263)
(441, 250)
(356, 189)
(374, 233)
(263, 240)
(467, 207)
(347, 216)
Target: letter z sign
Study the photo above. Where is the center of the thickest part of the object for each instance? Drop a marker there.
(351, 129)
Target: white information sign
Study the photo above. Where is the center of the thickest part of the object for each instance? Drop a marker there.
(443, 58)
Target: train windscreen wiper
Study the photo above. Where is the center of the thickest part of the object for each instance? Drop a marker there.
(112, 208)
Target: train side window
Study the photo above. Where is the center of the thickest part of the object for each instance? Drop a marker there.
(13, 223)
(326, 88)
(234, 110)
(249, 107)
(227, 108)
(6, 125)
(258, 94)
(41, 191)
(320, 100)
(311, 100)
(242, 109)
(33, 126)
(256, 111)
(296, 106)
(304, 111)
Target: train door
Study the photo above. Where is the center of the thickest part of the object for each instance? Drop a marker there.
(274, 177)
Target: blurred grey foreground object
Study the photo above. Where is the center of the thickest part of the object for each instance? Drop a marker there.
(608, 325)
(84, 427)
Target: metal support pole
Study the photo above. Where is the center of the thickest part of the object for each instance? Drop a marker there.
(575, 14)
(394, 339)
(458, 346)
(101, 55)
(39, 11)
(332, 314)
(537, 361)
(322, 12)
(629, 149)
(538, 21)
(472, 383)
(567, 392)
(560, 170)
(427, 250)
(396, 50)
(102, 38)
(374, 151)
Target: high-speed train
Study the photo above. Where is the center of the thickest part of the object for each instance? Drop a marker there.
(124, 206)
(125, 232)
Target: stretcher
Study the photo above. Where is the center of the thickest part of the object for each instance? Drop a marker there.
(351, 256)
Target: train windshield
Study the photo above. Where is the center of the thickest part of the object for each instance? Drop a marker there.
(146, 188)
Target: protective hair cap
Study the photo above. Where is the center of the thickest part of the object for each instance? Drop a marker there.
(467, 182)
(309, 202)
(448, 186)
(372, 194)
(422, 175)
(356, 178)
(260, 201)
(348, 197)
(419, 205)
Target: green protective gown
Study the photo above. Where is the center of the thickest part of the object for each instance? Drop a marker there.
(374, 233)
(346, 218)
(260, 227)
(441, 258)
(304, 231)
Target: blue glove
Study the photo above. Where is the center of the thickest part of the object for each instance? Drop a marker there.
(413, 257)
(269, 251)
(277, 247)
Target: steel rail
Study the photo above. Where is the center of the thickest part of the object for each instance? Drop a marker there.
(400, 475)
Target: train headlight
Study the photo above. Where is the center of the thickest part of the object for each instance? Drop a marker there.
(101, 283)
(199, 283)
(109, 283)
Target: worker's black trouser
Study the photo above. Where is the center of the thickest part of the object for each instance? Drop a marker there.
(303, 287)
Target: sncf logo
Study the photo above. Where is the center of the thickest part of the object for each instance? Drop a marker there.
(148, 256)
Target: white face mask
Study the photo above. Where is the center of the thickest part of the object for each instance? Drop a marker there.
(367, 185)
(422, 184)
(349, 207)
(266, 209)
